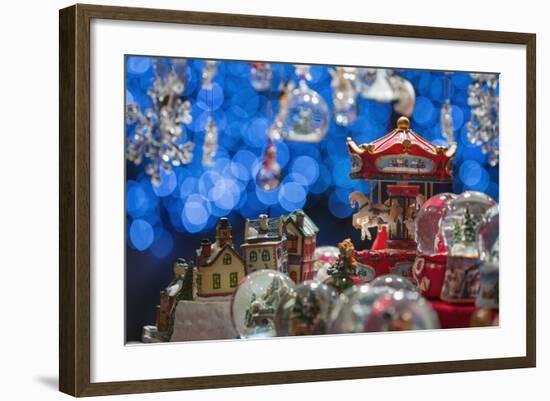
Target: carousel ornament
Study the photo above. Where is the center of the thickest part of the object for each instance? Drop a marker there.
(344, 95)
(306, 114)
(483, 127)
(158, 132)
(269, 175)
(210, 146)
(261, 76)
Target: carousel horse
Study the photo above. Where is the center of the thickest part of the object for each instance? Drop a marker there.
(368, 215)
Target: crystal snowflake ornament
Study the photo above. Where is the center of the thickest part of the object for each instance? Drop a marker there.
(483, 127)
(158, 131)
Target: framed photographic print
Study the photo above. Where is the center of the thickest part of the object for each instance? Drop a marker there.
(250, 200)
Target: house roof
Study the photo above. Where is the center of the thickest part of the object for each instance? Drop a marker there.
(215, 254)
(255, 233)
(307, 229)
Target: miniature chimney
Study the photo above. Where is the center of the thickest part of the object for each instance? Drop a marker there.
(300, 218)
(223, 233)
(206, 248)
(263, 222)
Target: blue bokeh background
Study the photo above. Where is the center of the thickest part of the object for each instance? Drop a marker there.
(168, 221)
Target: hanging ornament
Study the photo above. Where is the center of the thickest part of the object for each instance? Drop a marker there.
(446, 116)
(208, 73)
(210, 146)
(365, 77)
(344, 95)
(406, 96)
(276, 129)
(269, 175)
(307, 114)
(158, 132)
(261, 76)
(381, 89)
(483, 127)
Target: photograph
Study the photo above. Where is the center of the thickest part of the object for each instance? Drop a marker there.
(270, 199)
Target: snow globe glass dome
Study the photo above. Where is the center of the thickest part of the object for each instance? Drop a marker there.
(353, 308)
(459, 223)
(402, 310)
(256, 300)
(306, 310)
(429, 240)
(488, 243)
(307, 115)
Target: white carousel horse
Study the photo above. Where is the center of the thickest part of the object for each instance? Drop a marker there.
(368, 215)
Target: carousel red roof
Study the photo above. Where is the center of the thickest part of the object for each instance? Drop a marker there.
(401, 155)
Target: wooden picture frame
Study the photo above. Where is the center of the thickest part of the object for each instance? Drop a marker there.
(74, 199)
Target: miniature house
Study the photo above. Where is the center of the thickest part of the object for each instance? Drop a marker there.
(265, 244)
(301, 243)
(219, 266)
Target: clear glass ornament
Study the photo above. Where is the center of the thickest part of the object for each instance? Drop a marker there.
(269, 175)
(429, 240)
(256, 300)
(261, 76)
(306, 115)
(488, 242)
(344, 102)
(364, 80)
(393, 281)
(208, 73)
(459, 223)
(306, 310)
(353, 307)
(210, 146)
(401, 310)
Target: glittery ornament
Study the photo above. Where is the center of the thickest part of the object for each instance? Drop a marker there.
(401, 310)
(256, 300)
(306, 310)
(269, 175)
(158, 131)
(483, 127)
(261, 76)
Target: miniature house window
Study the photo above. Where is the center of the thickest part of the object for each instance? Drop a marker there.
(253, 256)
(199, 282)
(227, 259)
(292, 244)
(216, 281)
(233, 279)
(265, 255)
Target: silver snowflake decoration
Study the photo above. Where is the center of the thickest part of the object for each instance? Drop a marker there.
(483, 127)
(158, 133)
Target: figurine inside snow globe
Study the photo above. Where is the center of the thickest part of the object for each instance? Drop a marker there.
(459, 223)
(256, 300)
(488, 241)
(305, 311)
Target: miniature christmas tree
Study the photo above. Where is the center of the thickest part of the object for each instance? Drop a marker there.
(343, 269)
(458, 234)
(469, 227)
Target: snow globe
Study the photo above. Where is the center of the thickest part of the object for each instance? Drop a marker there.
(488, 241)
(393, 281)
(256, 300)
(305, 311)
(402, 310)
